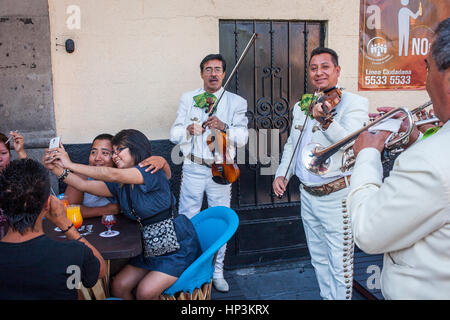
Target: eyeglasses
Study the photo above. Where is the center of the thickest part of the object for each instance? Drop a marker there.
(209, 70)
(118, 151)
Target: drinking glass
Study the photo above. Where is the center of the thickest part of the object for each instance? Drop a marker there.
(108, 220)
(74, 215)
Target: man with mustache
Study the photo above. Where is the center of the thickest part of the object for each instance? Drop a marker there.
(190, 130)
(326, 227)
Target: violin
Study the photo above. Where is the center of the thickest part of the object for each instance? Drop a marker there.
(333, 97)
(226, 172)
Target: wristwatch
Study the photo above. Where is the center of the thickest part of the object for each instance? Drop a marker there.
(226, 127)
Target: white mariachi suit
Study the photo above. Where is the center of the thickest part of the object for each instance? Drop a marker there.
(406, 217)
(197, 178)
(327, 228)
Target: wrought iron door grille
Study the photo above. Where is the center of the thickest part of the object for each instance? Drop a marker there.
(272, 78)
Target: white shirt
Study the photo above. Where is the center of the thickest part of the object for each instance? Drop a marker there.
(406, 217)
(230, 110)
(199, 143)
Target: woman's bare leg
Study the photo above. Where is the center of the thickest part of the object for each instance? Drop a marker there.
(153, 284)
(126, 280)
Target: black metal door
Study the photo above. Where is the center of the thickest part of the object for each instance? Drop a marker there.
(271, 78)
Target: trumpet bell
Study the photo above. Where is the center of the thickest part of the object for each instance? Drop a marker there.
(309, 159)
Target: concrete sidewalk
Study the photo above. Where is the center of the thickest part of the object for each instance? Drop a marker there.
(290, 281)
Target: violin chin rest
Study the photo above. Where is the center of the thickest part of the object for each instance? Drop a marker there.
(220, 180)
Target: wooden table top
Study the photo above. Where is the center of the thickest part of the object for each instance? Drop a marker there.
(126, 244)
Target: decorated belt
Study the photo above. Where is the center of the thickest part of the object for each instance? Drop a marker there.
(200, 161)
(328, 188)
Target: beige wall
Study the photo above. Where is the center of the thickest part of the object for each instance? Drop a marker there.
(134, 58)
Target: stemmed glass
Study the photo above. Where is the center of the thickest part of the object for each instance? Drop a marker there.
(108, 220)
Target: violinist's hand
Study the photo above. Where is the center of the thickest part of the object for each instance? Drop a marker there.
(195, 129)
(317, 112)
(279, 185)
(215, 123)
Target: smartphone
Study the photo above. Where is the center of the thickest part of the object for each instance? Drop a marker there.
(54, 143)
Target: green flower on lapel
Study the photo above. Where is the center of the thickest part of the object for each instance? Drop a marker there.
(306, 102)
(203, 100)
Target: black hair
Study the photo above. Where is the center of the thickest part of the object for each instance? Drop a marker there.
(103, 136)
(209, 57)
(4, 138)
(24, 189)
(136, 141)
(320, 50)
(440, 49)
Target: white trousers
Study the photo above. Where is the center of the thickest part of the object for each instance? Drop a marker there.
(196, 180)
(330, 242)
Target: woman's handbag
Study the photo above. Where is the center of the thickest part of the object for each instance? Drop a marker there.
(158, 233)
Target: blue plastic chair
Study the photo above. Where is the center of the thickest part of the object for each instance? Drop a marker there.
(214, 226)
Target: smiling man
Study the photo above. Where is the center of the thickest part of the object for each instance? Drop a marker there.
(326, 226)
(190, 130)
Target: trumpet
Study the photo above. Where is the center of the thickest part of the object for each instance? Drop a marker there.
(432, 119)
(391, 147)
(317, 159)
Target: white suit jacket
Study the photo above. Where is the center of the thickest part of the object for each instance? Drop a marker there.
(407, 217)
(231, 110)
(352, 113)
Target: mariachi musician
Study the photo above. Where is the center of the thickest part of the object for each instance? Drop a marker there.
(407, 217)
(324, 121)
(193, 126)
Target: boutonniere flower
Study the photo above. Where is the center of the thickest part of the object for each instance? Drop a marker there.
(204, 100)
(306, 102)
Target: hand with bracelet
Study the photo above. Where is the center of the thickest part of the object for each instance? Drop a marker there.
(57, 215)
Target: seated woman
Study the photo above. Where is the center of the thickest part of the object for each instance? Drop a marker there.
(150, 195)
(5, 154)
(5, 147)
(101, 156)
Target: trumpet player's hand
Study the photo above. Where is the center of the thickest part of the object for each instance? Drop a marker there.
(386, 110)
(381, 111)
(370, 140)
(414, 134)
(424, 115)
(279, 186)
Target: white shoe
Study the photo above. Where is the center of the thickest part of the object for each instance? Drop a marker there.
(221, 284)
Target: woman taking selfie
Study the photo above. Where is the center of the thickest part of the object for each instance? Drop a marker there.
(139, 193)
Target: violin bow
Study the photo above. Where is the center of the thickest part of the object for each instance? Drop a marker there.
(238, 63)
(300, 137)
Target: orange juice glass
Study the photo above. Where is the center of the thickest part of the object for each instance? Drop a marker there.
(65, 202)
(74, 215)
